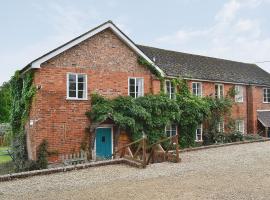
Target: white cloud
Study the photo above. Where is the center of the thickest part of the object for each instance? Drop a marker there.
(233, 35)
(65, 23)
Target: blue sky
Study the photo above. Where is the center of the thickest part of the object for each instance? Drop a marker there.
(232, 29)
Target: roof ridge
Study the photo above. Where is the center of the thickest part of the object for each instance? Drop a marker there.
(197, 55)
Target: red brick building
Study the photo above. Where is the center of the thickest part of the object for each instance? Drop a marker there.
(104, 60)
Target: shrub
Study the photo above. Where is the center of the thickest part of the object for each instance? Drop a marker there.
(42, 155)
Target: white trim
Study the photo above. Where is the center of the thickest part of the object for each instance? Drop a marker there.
(171, 85)
(67, 87)
(263, 94)
(176, 129)
(37, 63)
(112, 134)
(221, 130)
(240, 120)
(196, 139)
(201, 95)
(262, 110)
(235, 98)
(218, 95)
(135, 78)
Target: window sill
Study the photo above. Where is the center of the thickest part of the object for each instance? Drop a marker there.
(239, 101)
(266, 102)
(76, 99)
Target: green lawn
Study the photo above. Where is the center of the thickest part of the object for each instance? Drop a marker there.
(3, 157)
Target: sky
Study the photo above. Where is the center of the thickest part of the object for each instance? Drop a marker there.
(231, 29)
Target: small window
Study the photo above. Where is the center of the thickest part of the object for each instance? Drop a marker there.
(239, 126)
(197, 89)
(135, 87)
(266, 95)
(171, 130)
(220, 126)
(170, 89)
(199, 133)
(76, 86)
(219, 89)
(239, 96)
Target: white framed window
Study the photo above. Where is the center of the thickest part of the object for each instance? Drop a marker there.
(239, 126)
(198, 133)
(220, 126)
(266, 95)
(197, 89)
(170, 89)
(135, 87)
(219, 91)
(76, 86)
(239, 96)
(171, 130)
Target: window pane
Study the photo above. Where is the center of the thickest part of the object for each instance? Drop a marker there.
(72, 86)
(72, 93)
(168, 133)
(199, 89)
(132, 81)
(80, 94)
(131, 89)
(72, 78)
(81, 78)
(216, 91)
(139, 86)
(221, 91)
(81, 86)
(132, 94)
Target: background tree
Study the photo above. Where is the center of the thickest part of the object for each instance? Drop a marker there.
(5, 102)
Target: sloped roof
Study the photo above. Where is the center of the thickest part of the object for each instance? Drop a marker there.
(107, 25)
(264, 118)
(206, 68)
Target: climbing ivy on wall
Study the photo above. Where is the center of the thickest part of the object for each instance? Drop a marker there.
(151, 113)
(22, 92)
(153, 70)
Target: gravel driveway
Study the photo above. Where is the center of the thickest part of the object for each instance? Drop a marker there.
(233, 172)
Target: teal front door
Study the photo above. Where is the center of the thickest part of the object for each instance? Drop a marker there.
(103, 142)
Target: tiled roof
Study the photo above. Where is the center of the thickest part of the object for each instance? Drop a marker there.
(206, 68)
(264, 118)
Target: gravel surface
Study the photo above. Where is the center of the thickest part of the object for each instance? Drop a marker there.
(233, 172)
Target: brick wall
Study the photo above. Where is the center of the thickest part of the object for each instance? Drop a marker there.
(239, 110)
(255, 103)
(108, 63)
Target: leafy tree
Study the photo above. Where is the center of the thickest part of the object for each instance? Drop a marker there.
(5, 102)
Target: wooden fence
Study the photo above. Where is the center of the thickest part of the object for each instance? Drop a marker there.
(140, 152)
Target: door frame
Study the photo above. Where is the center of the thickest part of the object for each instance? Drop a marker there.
(104, 126)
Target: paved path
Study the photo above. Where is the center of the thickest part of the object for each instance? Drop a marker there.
(234, 172)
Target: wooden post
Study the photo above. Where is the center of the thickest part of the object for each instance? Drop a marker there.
(266, 131)
(144, 150)
(177, 149)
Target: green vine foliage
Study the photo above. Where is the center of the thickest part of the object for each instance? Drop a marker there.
(151, 113)
(154, 71)
(22, 92)
(194, 110)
